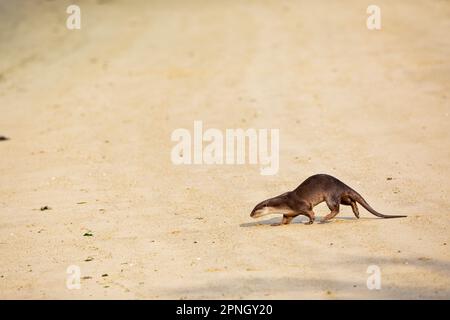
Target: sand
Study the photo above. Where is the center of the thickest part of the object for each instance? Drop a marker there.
(90, 113)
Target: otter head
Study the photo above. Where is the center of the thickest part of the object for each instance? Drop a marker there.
(272, 205)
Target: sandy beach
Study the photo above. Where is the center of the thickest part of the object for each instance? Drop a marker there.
(89, 115)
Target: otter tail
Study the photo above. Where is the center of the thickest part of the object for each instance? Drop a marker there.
(358, 198)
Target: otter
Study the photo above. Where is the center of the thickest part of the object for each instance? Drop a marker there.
(312, 191)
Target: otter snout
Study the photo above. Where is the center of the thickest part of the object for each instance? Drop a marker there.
(259, 211)
(255, 213)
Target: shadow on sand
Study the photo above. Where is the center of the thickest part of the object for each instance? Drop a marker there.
(301, 220)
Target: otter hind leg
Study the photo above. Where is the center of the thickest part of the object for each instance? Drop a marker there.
(355, 209)
(333, 205)
(347, 201)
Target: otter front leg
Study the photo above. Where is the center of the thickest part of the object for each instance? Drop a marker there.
(310, 215)
(304, 208)
(286, 220)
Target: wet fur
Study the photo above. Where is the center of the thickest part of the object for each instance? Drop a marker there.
(311, 192)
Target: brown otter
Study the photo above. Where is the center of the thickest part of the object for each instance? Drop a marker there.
(312, 191)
